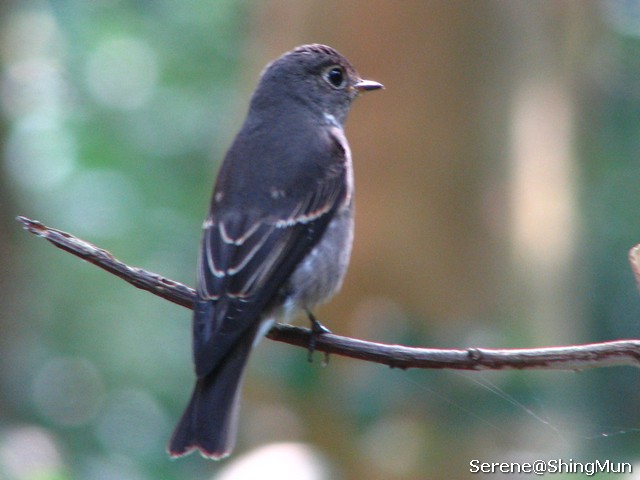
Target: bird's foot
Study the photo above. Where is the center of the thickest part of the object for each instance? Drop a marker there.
(316, 329)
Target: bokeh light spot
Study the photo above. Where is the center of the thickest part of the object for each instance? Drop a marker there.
(133, 424)
(28, 452)
(39, 154)
(122, 73)
(68, 391)
(284, 461)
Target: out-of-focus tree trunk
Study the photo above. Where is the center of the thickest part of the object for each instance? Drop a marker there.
(422, 237)
(461, 157)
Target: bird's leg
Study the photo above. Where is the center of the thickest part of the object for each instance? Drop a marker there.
(316, 329)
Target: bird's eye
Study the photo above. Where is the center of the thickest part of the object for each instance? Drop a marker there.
(335, 76)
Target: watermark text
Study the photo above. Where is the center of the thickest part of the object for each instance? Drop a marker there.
(551, 467)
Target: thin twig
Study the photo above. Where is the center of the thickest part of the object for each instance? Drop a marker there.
(574, 357)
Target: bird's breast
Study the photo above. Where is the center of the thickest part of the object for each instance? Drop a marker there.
(320, 274)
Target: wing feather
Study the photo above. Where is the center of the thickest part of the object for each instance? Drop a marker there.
(248, 254)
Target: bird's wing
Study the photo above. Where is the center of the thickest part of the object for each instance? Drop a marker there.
(248, 254)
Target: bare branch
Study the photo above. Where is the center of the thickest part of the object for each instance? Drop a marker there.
(575, 357)
(163, 287)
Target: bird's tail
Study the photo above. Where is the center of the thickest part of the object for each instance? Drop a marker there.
(209, 423)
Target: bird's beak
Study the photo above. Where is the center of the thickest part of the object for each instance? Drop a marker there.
(362, 86)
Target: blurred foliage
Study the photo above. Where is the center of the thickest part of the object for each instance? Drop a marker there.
(115, 114)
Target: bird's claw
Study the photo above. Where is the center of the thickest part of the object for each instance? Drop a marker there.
(317, 329)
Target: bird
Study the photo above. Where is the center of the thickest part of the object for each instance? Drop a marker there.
(277, 239)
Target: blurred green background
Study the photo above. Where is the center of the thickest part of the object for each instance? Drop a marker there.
(498, 185)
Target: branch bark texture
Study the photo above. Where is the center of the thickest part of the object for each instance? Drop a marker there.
(573, 357)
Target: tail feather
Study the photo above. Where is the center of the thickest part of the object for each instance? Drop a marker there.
(209, 424)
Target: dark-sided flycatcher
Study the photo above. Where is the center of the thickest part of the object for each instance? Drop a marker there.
(278, 236)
